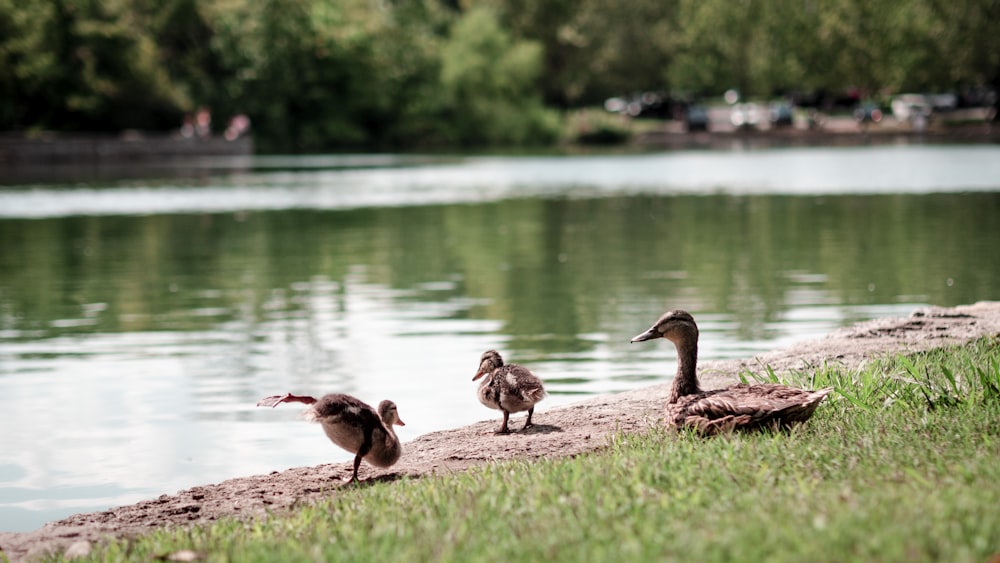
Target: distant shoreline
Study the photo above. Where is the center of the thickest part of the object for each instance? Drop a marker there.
(126, 147)
(840, 133)
(145, 147)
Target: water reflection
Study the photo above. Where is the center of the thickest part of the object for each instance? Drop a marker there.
(133, 348)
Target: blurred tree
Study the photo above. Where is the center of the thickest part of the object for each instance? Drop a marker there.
(489, 84)
(81, 65)
(713, 46)
(184, 40)
(315, 75)
(549, 24)
(594, 49)
(852, 40)
(289, 71)
(24, 66)
(755, 47)
(969, 45)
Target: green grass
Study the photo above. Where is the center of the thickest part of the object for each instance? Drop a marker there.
(901, 463)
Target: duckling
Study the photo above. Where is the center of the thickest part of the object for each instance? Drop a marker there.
(509, 388)
(353, 425)
(739, 407)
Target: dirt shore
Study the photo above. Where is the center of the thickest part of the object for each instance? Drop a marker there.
(562, 431)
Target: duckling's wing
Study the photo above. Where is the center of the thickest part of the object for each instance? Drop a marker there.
(519, 380)
(348, 422)
(346, 410)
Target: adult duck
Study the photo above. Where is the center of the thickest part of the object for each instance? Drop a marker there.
(353, 425)
(739, 407)
(508, 388)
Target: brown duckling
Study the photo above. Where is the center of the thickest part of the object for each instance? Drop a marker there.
(739, 407)
(353, 425)
(508, 388)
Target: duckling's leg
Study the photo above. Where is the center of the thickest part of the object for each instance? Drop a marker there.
(503, 427)
(528, 423)
(357, 464)
(366, 447)
(275, 400)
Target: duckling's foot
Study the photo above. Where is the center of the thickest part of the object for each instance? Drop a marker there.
(527, 422)
(503, 425)
(354, 475)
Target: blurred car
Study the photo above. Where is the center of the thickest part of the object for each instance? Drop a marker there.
(640, 104)
(943, 102)
(908, 107)
(868, 112)
(745, 116)
(696, 118)
(780, 114)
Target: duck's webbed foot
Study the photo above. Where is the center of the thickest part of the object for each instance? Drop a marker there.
(275, 400)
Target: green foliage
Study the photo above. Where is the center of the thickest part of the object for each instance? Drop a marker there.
(488, 81)
(967, 376)
(594, 48)
(901, 483)
(78, 65)
(315, 75)
(595, 127)
(305, 80)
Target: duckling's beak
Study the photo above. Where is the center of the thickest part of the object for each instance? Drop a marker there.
(399, 421)
(648, 335)
(479, 374)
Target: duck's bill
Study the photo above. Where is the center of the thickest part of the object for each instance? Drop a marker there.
(478, 375)
(399, 422)
(648, 335)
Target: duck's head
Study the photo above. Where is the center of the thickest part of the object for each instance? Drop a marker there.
(676, 326)
(490, 361)
(387, 410)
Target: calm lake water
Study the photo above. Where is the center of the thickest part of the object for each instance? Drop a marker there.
(141, 319)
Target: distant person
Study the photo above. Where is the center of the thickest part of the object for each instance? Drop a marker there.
(187, 126)
(203, 122)
(238, 126)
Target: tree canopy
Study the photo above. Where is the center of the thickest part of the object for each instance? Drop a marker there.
(315, 75)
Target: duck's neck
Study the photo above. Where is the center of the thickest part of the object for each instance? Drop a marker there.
(686, 380)
(390, 446)
(389, 423)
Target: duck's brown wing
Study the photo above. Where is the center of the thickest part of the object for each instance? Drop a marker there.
(745, 407)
